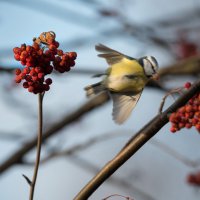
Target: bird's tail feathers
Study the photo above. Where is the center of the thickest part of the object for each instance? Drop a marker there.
(94, 89)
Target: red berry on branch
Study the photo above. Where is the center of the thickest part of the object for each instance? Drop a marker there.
(194, 179)
(30, 88)
(188, 115)
(39, 63)
(59, 52)
(40, 75)
(17, 57)
(48, 81)
(17, 71)
(18, 79)
(25, 85)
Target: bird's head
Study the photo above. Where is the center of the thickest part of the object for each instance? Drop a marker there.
(150, 65)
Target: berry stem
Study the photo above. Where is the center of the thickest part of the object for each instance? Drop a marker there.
(39, 143)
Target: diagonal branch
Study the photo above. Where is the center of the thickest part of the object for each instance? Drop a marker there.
(135, 143)
(17, 157)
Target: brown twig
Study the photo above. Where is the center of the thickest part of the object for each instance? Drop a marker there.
(39, 144)
(117, 181)
(118, 195)
(136, 142)
(173, 91)
(187, 66)
(82, 146)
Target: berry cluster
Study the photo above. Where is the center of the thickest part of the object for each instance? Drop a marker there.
(39, 60)
(194, 179)
(187, 49)
(188, 115)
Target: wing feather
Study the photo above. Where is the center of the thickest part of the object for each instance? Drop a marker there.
(123, 106)
(111, 56)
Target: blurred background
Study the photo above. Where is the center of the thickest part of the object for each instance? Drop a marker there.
(77, 147)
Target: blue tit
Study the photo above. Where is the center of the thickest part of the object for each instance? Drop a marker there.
(124, 80)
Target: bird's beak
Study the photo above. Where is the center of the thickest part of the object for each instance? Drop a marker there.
(155, 77)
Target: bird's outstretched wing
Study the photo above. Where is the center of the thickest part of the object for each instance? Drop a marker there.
(111, 56)
(123, 105)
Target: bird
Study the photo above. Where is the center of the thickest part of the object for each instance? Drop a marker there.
(124, 80)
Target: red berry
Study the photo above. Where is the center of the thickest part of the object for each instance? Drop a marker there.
(17, 57)
(59, 52)
(30, 88)
(40, 75)
(38, 69)
(23, 47)
(72, 55)
(191, 178)
(26, 70)
(29, 48)
(52, 47)
(18, 79)
(22, 75)
(188, 108)
(16, 50)
(188, 125)
(197, 127)
(72, 63)
(25, 85)
(65, 57)
(173, 129)
(34, 78)
(36, 46)
(48, 69)
(46, 87)
(17, 71)
(187, 85)
(48, 81)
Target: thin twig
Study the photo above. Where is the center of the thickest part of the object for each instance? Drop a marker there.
(118, 195)
(39, 144)
(183, 159)
(176, 90)
(78, 147)
(134, 144)
(27, 180)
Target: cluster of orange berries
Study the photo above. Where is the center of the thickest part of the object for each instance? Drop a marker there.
(188, 115)
(39, 60)
(194, 179)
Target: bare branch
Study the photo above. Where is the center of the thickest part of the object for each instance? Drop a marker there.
(84, 109)
(183, 159)
(83, 146)
(136, 142)
(188, 66)
(27, 179)
(117, 181)
(117, 195)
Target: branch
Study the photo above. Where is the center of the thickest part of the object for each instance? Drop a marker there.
(188, 66)
(17, 157)
(82, 146)
(114, 180)
(39, 145)
(136, 142)
(183, 159)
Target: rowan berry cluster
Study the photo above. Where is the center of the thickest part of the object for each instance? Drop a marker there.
(194, 179)
(39, 60)
(188, 115)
